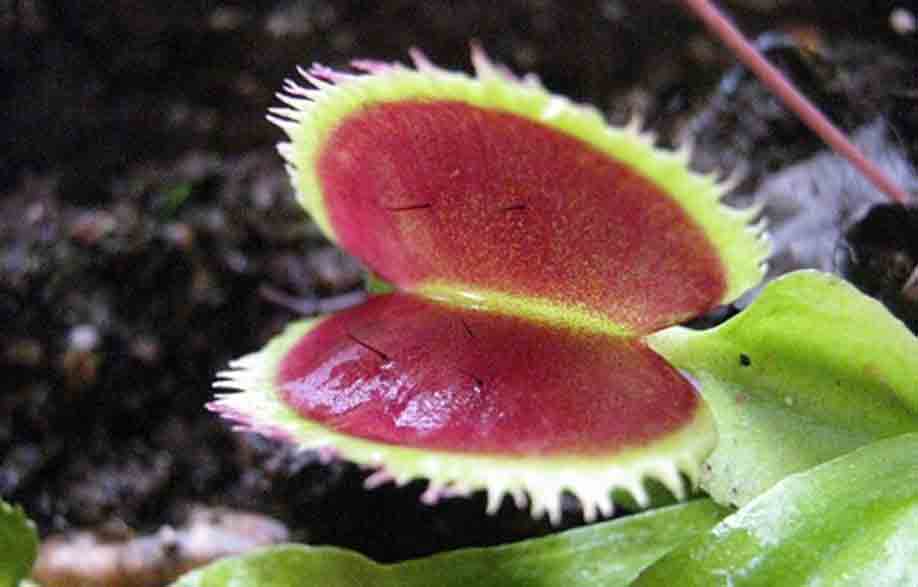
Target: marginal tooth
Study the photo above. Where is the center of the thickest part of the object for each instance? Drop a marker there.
(327, 73)
(635, 123)
(246, 361)
(554, 108)
(287, 126)
(596, 501)
(288, 113)
(246, 376)
(432, 494)
(683, 152)
(536, 507)
(759, 207)
(533, 81)
(519, 497)
(291, 87)
(480, 62)
(297, 103)
(911, 283)
(605, 504)
(285, 149)
(588, 506)
(234, 380)
(602, 501)
(667, 474)
(372, 66)
(495, 497)
(378, 479)
(314, 77)
(548, 503)
(318, 82)
(736, 176)
(456, 490)
(326, 454)
(216, 404)
(766, 244)
(638, 492)
(649, 137)
(421, 62)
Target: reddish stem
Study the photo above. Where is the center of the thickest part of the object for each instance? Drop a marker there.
(793, 99)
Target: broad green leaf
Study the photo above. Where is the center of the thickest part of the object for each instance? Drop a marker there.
(850, 522)
(810, 371)
(607, 554)
(18, 545)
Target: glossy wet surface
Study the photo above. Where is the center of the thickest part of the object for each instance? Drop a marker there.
(406, 371)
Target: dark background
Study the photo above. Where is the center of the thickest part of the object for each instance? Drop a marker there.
(145, 215)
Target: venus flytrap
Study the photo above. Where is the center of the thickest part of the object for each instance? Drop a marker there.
(533, 249)
(537, 263)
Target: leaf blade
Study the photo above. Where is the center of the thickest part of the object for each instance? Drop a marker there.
(811, 370)
(607, 554)
(852, 521)
(18, 545)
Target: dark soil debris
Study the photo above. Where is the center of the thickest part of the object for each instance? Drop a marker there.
(148, 233)
(880, 256)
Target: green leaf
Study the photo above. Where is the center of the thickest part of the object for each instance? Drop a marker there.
(850, 522)
(812, 370)
(607, 554)
(18, 545)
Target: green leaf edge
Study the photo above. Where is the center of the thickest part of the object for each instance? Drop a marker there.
(609, 554)
(313, 114)
(811, 421)
(18, 545)
(257, 405)
(775, 538)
